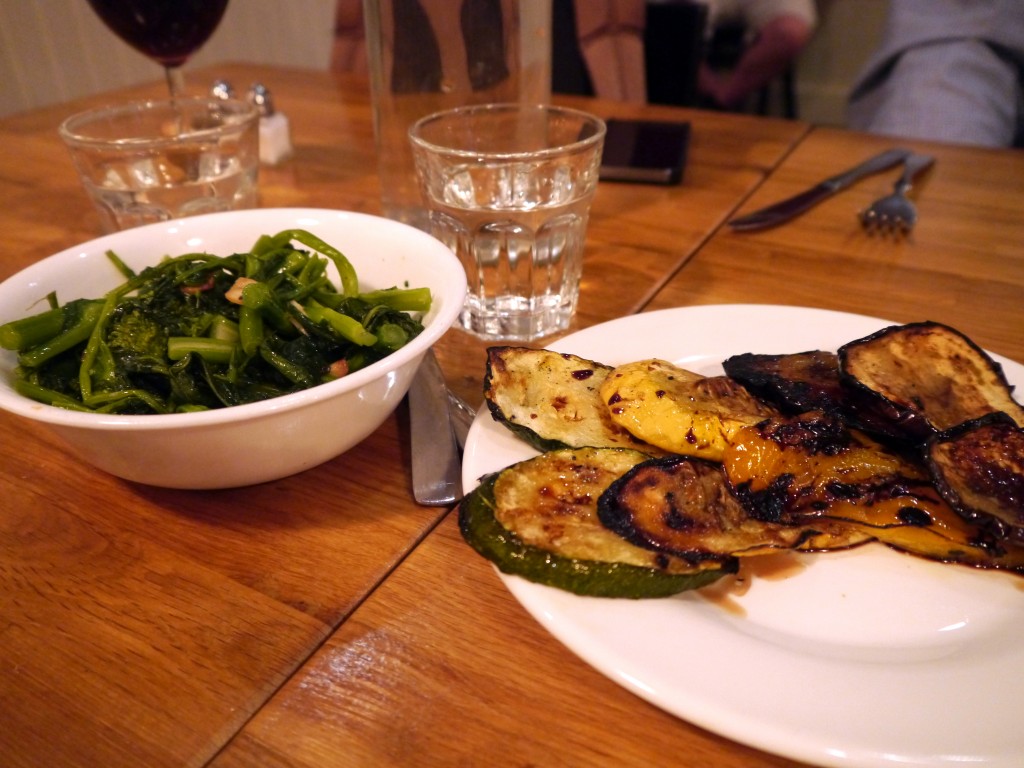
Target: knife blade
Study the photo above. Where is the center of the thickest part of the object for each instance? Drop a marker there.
(784, 210)
(436, 470)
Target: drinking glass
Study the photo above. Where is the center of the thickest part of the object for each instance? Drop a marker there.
(149, 161)
(429, 55)
(508, 188)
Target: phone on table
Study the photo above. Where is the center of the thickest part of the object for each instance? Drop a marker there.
(645, 151)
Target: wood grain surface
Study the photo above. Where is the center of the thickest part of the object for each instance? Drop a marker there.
(962, 265)
(144, 626)
(326, 619)
(464, 675)
(441, 666)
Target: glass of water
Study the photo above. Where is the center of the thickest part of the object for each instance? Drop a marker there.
(150, 161)
(508, 188)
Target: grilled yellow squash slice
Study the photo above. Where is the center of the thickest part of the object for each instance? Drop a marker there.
(678, 410)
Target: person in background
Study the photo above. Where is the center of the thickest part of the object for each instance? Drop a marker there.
(611, 40)
(779, 29)
(946, 70)
(348, 50)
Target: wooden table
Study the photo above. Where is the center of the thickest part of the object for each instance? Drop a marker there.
(143, 626)
(441, 666)
(963, 264)
(325, 619)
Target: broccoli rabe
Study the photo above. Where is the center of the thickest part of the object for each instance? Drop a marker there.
(199, 331)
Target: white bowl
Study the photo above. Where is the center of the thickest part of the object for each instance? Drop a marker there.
(256, 442)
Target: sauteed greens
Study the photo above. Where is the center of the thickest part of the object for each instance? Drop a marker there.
(198, 331)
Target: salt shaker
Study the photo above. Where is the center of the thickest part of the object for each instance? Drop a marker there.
(275, 136)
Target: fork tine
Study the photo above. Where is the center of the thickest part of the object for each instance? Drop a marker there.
(894, 213)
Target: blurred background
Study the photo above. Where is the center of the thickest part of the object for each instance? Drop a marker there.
(56, 50)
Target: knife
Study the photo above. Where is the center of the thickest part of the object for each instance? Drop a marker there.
(436, 471)
(794, 206)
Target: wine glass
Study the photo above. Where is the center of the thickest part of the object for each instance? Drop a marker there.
(168, 31)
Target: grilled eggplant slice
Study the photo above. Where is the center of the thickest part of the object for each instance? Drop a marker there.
(685, 507)
(978, 467)
(798, 469)
(678, 410)
(809, 381)
(927, 378)
(793, 383)
(538, 519)
(551, 400)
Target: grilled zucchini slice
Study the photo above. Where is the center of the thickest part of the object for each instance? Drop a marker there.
(538, 519)
(678, 410)
(550, 400)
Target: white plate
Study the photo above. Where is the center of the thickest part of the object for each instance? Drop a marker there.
(863, 658)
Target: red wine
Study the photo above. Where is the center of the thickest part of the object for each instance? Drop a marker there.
(168, 31)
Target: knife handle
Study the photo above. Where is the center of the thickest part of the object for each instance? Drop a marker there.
(877, 163)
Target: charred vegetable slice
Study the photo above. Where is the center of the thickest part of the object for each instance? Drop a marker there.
(678, 410)
(795, 470)
(927, 378)
(685, 507)
(794, 383)
(809, 381)
(538, 519)
(979, 469)
(550, 400)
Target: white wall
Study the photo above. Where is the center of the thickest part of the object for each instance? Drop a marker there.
(55, 50)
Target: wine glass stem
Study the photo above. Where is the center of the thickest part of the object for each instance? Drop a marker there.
(175, 81)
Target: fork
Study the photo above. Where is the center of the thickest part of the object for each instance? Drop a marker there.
(895, 213)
